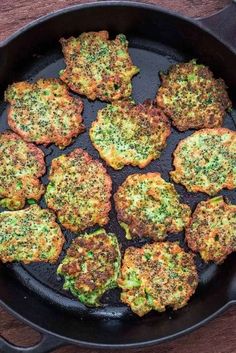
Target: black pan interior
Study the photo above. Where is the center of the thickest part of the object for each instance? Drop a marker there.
(151, 55)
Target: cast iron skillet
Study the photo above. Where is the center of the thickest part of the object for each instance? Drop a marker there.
(157, 38)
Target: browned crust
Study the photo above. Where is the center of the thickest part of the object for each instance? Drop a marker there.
(100, 269)
(103, 217)
(96, 93)
(137, 227)
(65, 77)
(35, 151)
(57, 137)
(57, 242)
(32, 180)
(177, 163)
(214, 118)
(154, 116)
(133, 259)
(192, 241)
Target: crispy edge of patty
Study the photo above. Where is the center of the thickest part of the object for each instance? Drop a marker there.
(95, 94)
(107, 188)
(205, 208)
(138, 284)
(131, 226)
(14, 199)
(58, 138)
(178, 171)
(154, 115)
(222, 99)
(90, 297)
(58, 245)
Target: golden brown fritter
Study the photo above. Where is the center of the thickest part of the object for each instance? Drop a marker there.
(43, 112)
(98, 67)
(79, 191)
(206, 160)
(91, 266)
(212, 230)
(30, 235)
(125, 133)
(148, 206)
(22, 164)
(192, 97)
(156, 276)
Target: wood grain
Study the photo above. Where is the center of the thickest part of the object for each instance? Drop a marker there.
(219, 336)
(17, 13)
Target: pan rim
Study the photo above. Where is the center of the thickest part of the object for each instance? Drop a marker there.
(118, 346)
(116, 3)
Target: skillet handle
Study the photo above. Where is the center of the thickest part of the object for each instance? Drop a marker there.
(47, 344)
(222, 25)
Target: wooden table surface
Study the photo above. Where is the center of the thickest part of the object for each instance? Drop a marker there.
(219, 336)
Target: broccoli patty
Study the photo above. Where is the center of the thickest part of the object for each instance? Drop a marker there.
(22, 164)
(206, 161)
(43, 112)
(91, 266)
(30, 235)
(98, 67)
(148, 206)
(156, 276)
(125, 133)
(192, 97)
(79, 191)
(212, 230)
